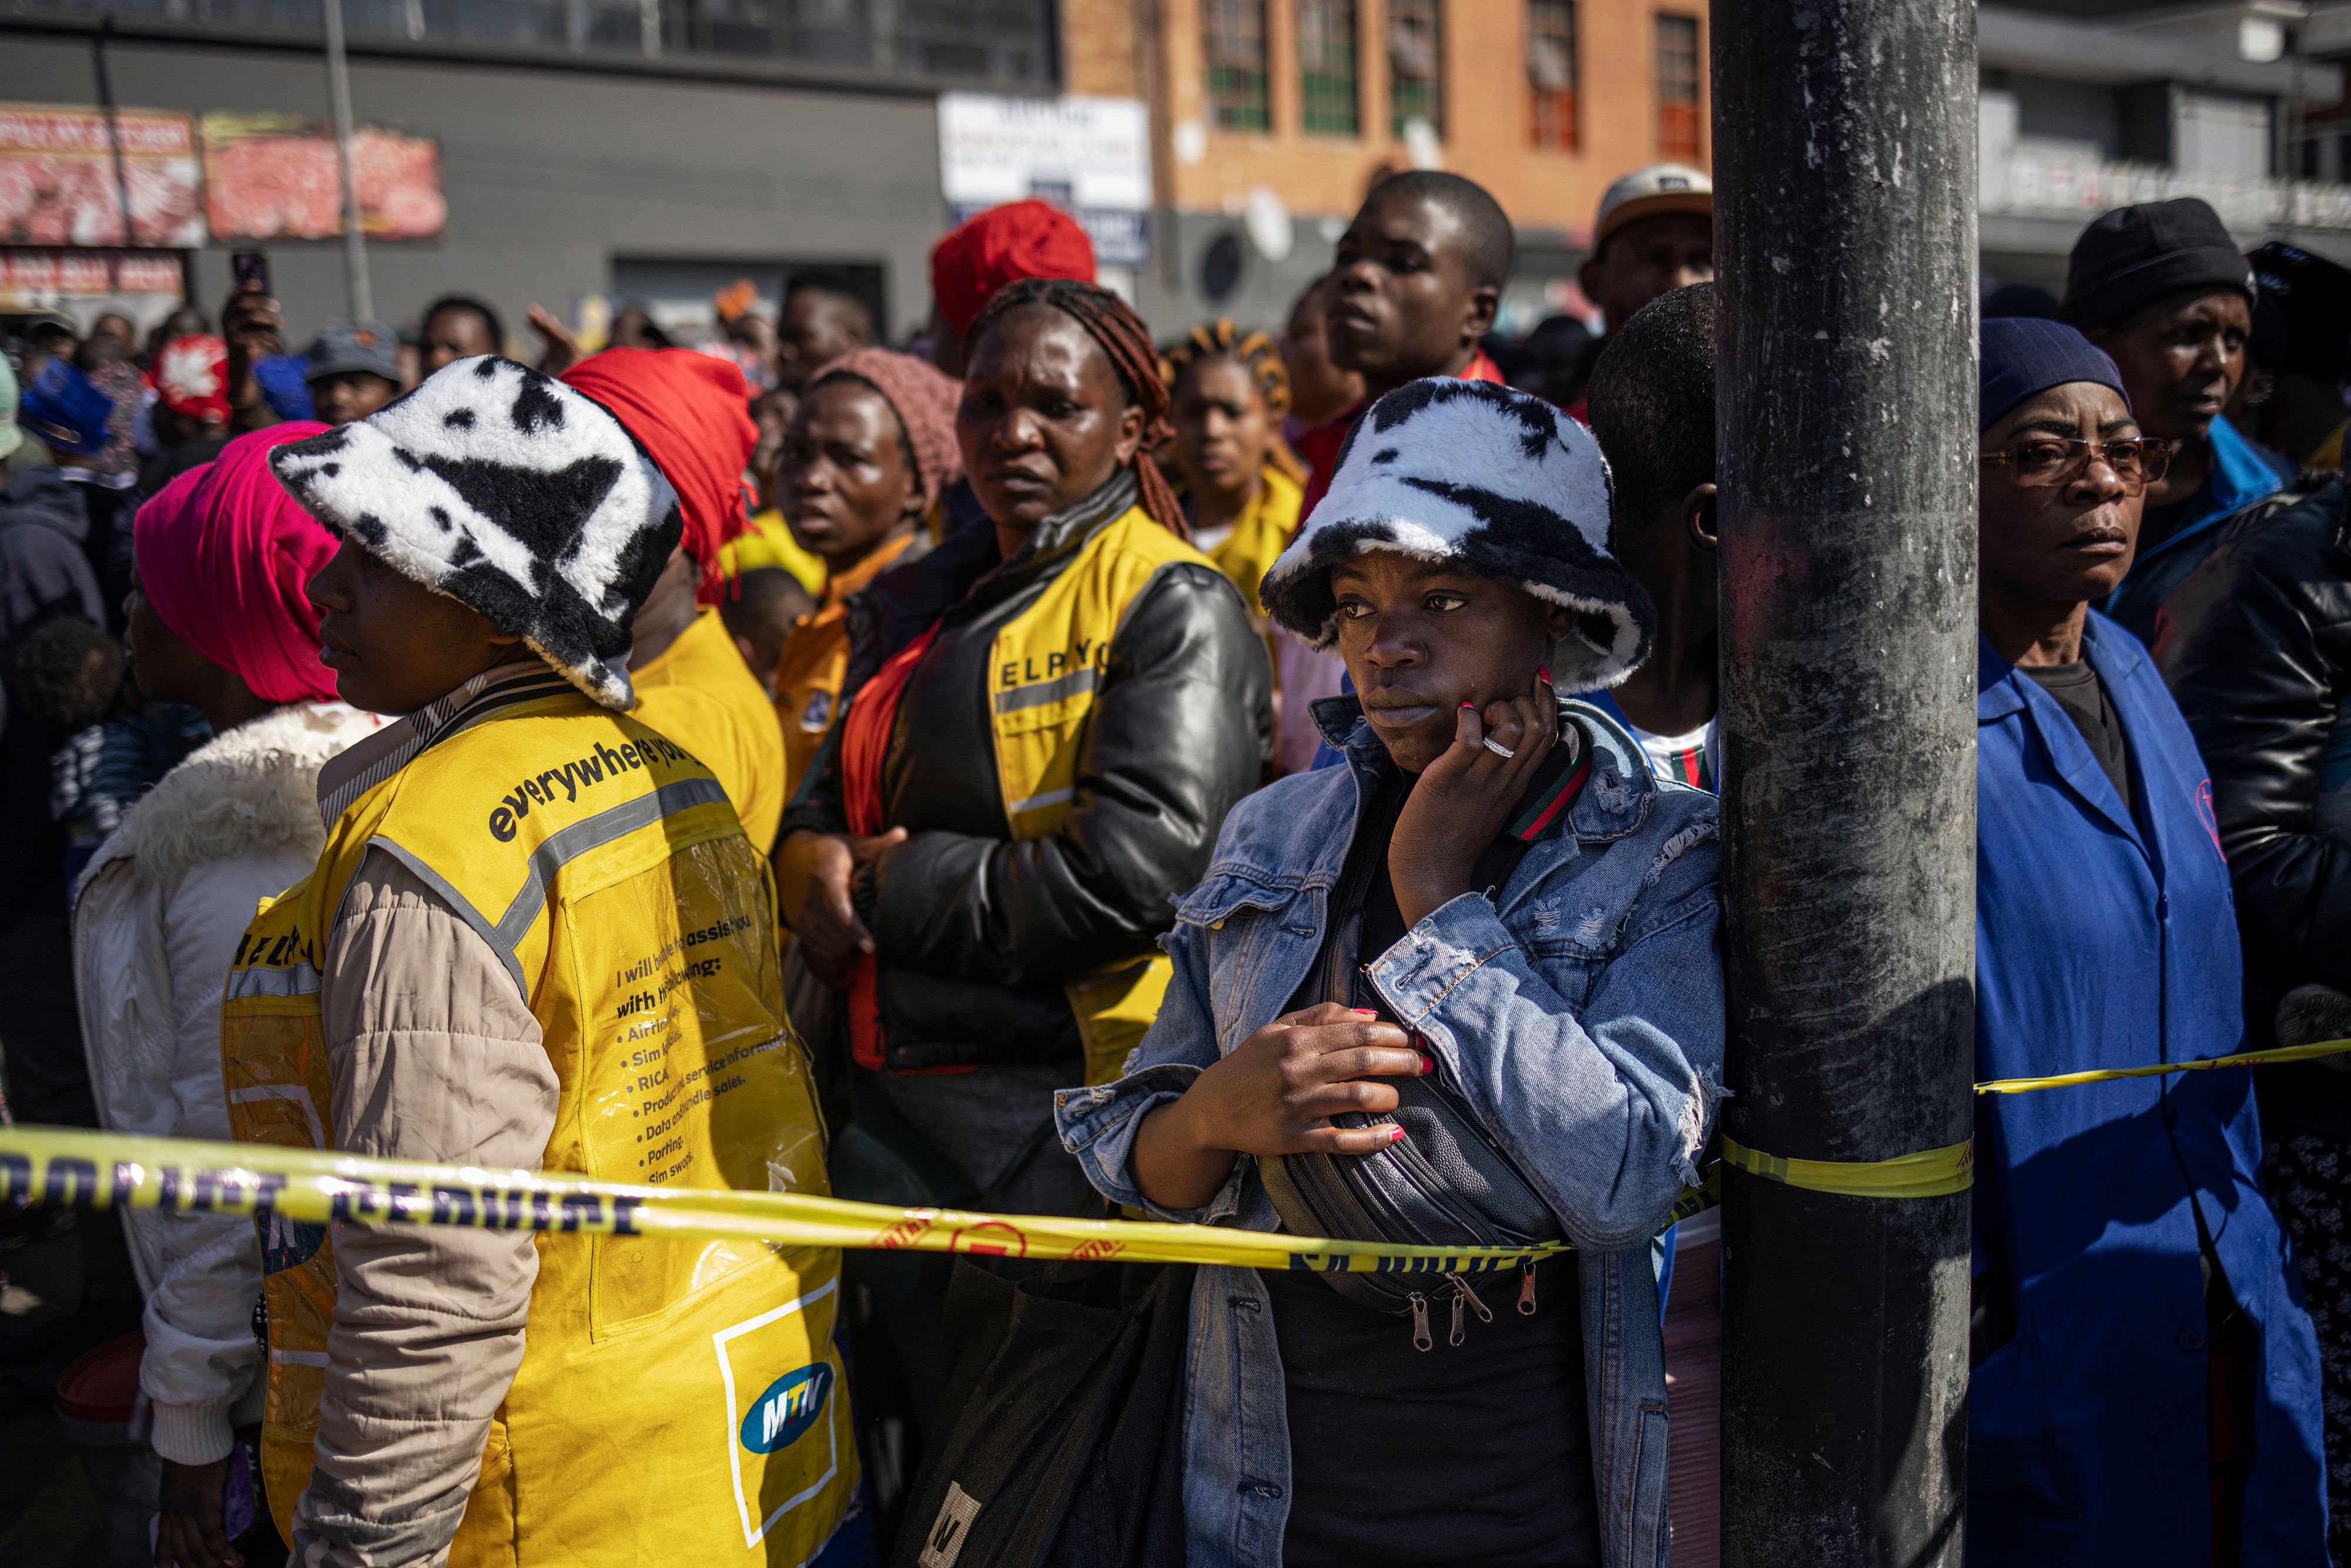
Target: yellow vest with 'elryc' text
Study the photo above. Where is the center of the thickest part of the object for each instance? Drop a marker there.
(678, 1401)
(1044, 671)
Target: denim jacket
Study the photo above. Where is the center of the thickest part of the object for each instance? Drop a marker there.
(1579, 1010)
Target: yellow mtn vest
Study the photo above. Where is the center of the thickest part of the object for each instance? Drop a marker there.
(678, 1401)
(1260, 536)
(1043, 672)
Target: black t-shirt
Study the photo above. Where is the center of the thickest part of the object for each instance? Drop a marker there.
(1475, 1453)
(2082, 695)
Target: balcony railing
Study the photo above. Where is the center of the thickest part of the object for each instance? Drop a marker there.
(2071, 180)
(1008, 41)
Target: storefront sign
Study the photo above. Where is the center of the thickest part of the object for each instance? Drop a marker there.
(1090, 156)
(43, 279)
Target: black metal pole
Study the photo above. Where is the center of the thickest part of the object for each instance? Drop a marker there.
(113, 125)
(1845, 235)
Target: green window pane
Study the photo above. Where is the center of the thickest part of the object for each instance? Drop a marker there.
(1327, 92)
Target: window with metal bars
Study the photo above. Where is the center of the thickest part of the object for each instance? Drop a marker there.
(1007, 41)
(1551, 74)
(1232, 38)
(1326, 68)
(1415, 65)
(1677, 66)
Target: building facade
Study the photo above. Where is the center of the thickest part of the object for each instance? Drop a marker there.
(591, 153)
(1274, 114)
(588, 154)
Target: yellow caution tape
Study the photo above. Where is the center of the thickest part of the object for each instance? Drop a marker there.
(2104, 1074)
(1932, 1172)
(67, 1166)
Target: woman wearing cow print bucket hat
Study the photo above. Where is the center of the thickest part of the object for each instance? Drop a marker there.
(1503, 1023)
(496, 928)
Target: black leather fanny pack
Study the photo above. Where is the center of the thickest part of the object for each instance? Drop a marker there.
(1446, 1183)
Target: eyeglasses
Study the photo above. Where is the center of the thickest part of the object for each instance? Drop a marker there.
(2137, 461)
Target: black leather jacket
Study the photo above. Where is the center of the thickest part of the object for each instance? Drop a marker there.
(976, 932)
(2257, 651)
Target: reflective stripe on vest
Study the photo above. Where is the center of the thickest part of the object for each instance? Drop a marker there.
(636, 922)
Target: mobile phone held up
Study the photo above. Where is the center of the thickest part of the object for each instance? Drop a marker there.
(252, 271)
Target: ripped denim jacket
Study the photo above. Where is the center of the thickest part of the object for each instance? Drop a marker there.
(1579, 1012)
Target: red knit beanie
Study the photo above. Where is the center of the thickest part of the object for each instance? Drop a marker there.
(1001, 246)
(691, 413)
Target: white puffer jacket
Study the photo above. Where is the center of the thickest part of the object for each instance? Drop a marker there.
(156, 918)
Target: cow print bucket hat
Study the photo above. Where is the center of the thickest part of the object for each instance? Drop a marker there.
(1493, 480)
(513, 494)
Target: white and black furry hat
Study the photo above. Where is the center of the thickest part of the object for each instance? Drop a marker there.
(514, 495)
(1493, 479)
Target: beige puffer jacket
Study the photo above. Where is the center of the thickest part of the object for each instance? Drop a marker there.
(156, 917)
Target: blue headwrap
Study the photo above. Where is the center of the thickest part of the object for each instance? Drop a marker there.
(2023, 355)
(65, 409)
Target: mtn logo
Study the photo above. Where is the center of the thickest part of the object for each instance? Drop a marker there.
(782, 1416)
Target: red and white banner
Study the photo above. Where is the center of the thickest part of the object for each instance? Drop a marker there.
(43, 279)
(58, 184)
(276, 177)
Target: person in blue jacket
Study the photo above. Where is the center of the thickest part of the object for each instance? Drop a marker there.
(2145, 1378)
(2163, 289)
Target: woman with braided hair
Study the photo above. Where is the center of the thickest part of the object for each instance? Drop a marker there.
(1227, 392)
(1044, 721)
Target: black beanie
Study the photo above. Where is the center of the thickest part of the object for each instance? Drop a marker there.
(2313, 301)
(2134, 255)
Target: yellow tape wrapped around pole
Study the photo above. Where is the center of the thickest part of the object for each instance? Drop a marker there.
(68, 1166)
(1931, 1173)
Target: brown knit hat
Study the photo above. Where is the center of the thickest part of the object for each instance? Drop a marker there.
(925, 399)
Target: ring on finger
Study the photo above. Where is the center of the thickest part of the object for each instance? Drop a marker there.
(1498, 748)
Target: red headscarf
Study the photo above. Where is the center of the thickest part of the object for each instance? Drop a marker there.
(224, 552)
(1001, 246)
(691, 411)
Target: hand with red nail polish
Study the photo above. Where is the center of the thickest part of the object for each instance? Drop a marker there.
(1276, 1093)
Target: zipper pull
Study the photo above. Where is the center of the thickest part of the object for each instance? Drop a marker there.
(1527, 1288)
(1460, 1322)
(1485, 1314)
(1420, 1340)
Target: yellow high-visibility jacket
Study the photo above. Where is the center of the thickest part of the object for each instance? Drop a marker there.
(678, 1401)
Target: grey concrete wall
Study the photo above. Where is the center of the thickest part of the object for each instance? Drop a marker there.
(551, 174)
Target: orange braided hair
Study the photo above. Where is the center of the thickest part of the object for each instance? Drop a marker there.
(1254, 352)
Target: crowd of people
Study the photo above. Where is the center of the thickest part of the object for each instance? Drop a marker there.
(1262, 778)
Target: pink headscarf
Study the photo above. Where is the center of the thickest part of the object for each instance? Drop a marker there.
(223, 554)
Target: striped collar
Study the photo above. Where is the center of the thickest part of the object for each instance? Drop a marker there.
(354, 771)
(1543, 809)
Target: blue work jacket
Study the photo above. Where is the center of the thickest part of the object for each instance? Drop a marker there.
(2243, 473)
(2105, 937)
